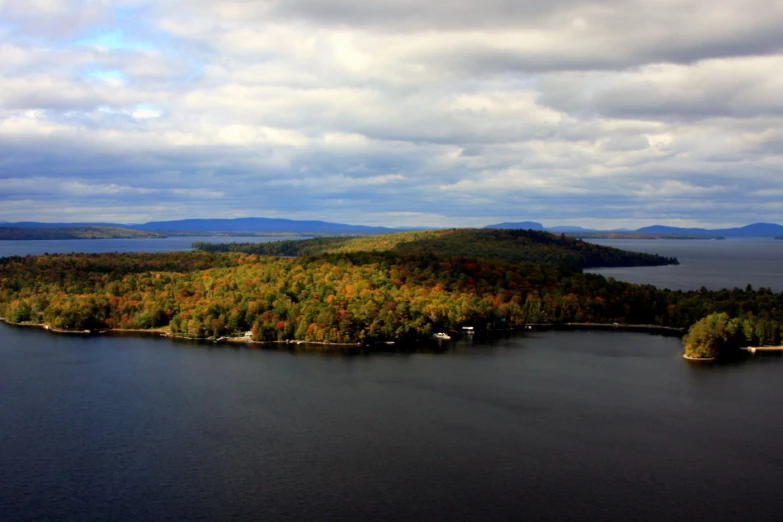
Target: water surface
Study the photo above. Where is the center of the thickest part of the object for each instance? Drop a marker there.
(166, 244)
(713, 264)
(548, 426)
(543, 426)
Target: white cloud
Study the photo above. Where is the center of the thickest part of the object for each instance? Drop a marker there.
(394, 112)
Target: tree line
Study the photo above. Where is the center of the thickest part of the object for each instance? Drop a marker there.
(359, 296)
(517, 246)
(718, 334)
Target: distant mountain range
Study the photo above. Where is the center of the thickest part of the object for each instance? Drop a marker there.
(253, 225)
(534, 225)
(36, 224)
(525, 225)
(259, 225)
(754, 230)
(23, 233)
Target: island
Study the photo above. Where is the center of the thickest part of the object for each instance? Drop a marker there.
(366, 291)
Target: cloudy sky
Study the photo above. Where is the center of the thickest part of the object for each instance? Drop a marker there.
(393, 112)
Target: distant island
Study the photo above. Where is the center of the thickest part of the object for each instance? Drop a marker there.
(17, 233)
(404, 287)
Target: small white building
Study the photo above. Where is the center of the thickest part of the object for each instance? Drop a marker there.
(248, 335)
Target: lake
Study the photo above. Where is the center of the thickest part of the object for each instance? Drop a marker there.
(540, 426)
(584, 425)
(92, 246)
(713, 264)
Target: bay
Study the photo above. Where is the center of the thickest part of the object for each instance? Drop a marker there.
(713, 264)
(541, 426)
(92, 246)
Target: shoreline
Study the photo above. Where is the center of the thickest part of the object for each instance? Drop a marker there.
(752, 350)
(161, 332)
(642, 328)
(698, 359)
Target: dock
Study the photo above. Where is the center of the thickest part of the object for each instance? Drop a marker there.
(763, 349)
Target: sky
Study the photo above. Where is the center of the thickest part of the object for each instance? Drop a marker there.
(611, 113)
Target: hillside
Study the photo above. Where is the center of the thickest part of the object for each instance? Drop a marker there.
(17, 233)
(404, 287)
(357, 297)
(517, 246)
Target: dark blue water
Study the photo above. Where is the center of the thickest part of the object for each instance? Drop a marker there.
(550, 426)
(709, 263)
(167, 244)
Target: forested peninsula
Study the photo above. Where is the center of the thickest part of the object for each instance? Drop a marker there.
(512, 246)
(395, 287)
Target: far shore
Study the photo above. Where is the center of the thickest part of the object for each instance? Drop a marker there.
(749, 349)
(698, 359)
(166, 333)
(644, 328)
(163, 332)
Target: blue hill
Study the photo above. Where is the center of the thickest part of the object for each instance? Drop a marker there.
(239, 225)
(526, 225)
(272, 225)
(567, 229)
(662, 229)
(754, 230)
(257, 224)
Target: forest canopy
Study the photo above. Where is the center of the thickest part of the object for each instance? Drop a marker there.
(358, 290)
(517, 246)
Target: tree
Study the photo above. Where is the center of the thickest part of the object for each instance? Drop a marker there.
(712, 336)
